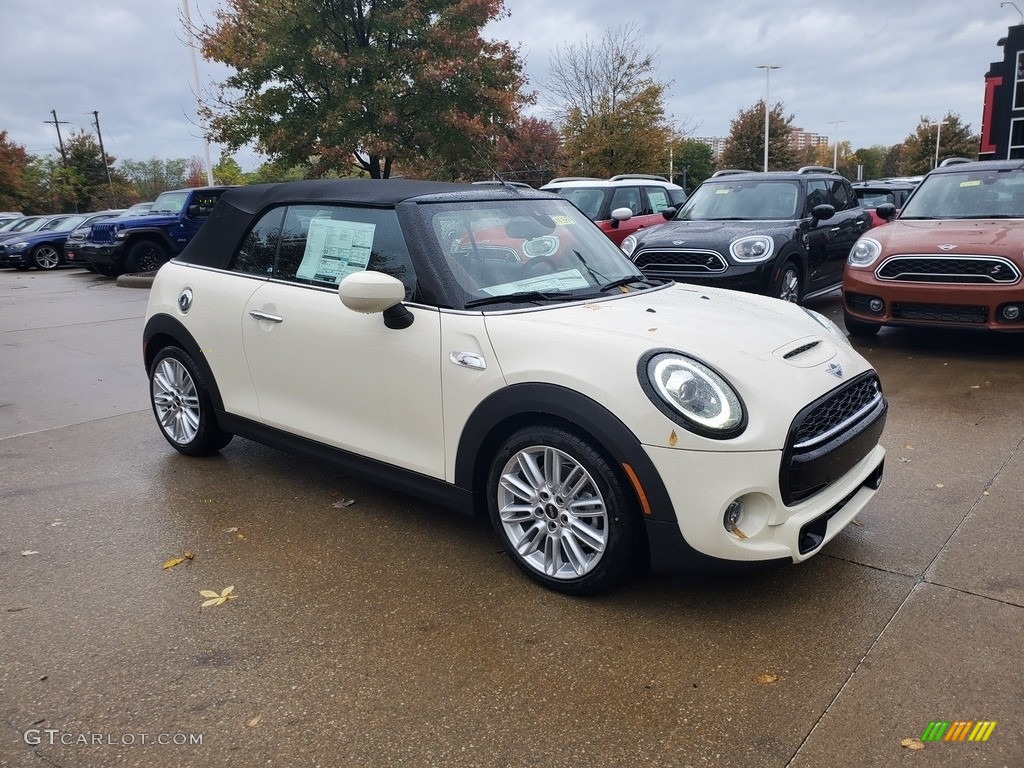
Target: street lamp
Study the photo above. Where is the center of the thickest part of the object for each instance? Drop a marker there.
(835, 147)
(938, 138)
(767, 91)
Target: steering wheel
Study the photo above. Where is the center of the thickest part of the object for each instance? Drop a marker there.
(531, 264)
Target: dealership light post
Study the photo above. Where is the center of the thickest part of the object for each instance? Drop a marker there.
(938, 138)
(835, 144)
(767, 92)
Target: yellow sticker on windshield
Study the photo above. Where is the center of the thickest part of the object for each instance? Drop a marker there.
(563, 220)
(975, 183)
(722, 191)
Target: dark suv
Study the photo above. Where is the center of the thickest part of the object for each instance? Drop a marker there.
(143, 243)
(783, 233)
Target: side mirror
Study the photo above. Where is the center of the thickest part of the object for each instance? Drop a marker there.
(621, 214)
(193, 210)
(669, 213)
(371, 292)
(886, 211)
(823, 212)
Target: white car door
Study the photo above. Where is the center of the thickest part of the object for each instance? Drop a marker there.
(342, 378)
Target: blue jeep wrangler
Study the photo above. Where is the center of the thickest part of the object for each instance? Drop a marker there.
(143, 243)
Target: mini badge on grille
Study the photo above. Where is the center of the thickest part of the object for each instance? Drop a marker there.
(835, 369)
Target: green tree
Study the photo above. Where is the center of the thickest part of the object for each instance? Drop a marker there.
(873, 160)
(92, 191)
(153, 176)
(228, 171)
(14, 164)
(610, 106)
(744, 147)
(693, 162)
(324, 82)
(917, 154)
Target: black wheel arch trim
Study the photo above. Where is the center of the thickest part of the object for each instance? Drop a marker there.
(151, 233)
(166, 326)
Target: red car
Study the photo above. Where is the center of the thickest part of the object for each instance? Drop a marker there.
(622, 204)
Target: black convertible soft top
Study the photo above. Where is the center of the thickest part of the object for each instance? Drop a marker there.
(215, 242)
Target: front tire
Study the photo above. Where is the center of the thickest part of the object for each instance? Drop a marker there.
(145, 256)
(562, 513)
(45, 257)
(859, 328)
(182, 405)
(788, 285)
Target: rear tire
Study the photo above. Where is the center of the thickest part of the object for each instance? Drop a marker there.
(562, 512)
(182, 405)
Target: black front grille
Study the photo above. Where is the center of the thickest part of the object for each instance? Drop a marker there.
(829, 436)
(683, 262)
(949, 269)
(941, 313)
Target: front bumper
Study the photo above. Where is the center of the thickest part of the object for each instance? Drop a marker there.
(702, 485)
(752, 278)
(106, 255)
(16, 259)
(932, 304)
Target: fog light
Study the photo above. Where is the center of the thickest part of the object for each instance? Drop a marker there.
(1011, 312)
(733, 513)
(876, 306)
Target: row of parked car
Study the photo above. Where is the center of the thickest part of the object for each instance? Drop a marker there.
(944, 249)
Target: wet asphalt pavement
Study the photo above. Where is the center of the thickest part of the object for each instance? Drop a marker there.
(388, 632)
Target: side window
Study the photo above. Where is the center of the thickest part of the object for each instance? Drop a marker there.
(259, 248)
(817, 193)
(842, 197)
(657, 199)
(322, 244)
(627, 197)
(201, 204)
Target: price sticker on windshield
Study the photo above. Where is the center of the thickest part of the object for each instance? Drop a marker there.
(565, 221)
(975, 183)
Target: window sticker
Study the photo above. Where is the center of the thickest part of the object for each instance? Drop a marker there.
(335, 249)
(565, 280)
(975, 183)
(724, 191)
(564, 221)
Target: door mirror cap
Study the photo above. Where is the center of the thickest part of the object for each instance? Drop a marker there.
(370, 292)
(823, 212)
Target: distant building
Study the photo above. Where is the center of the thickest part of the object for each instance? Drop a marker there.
(717, 144)
(800, 140)
(1002, 120)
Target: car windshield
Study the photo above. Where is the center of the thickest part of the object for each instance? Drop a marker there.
(28, 225)
(741, 200)
(169, 202)
(66, 225)
(975, 194)
(532, 250)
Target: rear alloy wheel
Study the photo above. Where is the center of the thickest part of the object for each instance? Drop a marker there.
(182, 404)
(788, 284)
(561, 512)
(145, 256)
(45, 257)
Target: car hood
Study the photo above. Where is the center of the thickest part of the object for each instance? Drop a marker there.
(689, 234)
(146, 220)
(774, 354)
(950, 237)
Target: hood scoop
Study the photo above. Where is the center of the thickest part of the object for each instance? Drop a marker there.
(806, 352)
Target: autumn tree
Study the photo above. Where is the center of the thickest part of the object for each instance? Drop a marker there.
(153, 176)
(610, 106)
(14, 162)
(326, 83)
(917, 154)
(528, 151)
(744, 147)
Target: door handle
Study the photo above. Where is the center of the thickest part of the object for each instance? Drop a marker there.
(265, 316)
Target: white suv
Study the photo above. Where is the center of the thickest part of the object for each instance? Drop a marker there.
(622, 204)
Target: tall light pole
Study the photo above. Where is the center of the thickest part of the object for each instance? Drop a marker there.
(938, 138)
(767, 95)
(835, 144)
(195, 82)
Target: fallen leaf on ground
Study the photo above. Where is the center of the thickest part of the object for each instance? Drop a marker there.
(673, 438)
(912, 744)
(939, 485)
(857, 522)
(28, 552)
(178, 560)
(905, 460)
(253, 721)
(343, 503)
(215, 598)
(767, 678)
(230, 530)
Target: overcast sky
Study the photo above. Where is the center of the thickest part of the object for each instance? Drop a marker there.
(876, 66)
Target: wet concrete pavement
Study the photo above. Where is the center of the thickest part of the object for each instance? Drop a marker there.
(389, 632)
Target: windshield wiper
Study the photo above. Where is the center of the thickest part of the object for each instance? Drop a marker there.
(527, 297)
(626, 281)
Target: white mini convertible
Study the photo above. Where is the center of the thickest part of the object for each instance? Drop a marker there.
(488, 348)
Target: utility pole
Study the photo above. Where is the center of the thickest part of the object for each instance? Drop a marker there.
(103, 154)
(57, 124)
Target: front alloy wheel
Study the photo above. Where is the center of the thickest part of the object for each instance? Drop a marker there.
(788, 286)
(45, 257)
(561, 513)
(182, 404)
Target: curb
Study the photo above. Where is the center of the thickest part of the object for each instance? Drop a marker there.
(140, 280)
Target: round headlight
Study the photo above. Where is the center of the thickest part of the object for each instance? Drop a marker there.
(687, 388)
(628, 245)
(864, 252)
(752, 249)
